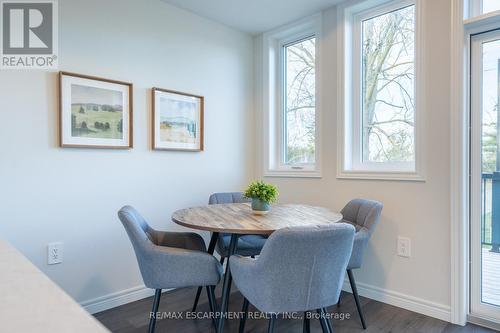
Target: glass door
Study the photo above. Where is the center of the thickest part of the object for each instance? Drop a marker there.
(485, 176)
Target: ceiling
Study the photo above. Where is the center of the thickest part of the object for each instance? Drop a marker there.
(253, 16)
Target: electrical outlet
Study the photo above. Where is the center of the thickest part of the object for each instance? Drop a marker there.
(404, 247)
(55, 253)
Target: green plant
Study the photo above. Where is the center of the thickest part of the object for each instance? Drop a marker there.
(260, 190)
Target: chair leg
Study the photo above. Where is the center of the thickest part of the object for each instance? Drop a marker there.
(197, 298)
(328, 321)
(243, 320)
(226, 286)
(198, 292)
(322, 321)
(272, 322)
(211, 298)
(306, 328)
(356, 297)
(212, 304)
(156, 304)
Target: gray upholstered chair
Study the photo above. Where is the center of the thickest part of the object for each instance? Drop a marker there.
(248, 245)
(364, 215)
(299, 269)
(170, 259)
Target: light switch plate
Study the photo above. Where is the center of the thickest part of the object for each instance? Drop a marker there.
(55, 253)
(404, 247)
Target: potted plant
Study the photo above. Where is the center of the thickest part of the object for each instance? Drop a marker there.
(262, 196)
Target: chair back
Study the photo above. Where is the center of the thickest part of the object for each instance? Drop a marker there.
(141, 236)
(227, 197)
(304, 268)
(363, 213)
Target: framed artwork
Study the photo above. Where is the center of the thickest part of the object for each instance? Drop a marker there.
(177, 120)
(94, 112)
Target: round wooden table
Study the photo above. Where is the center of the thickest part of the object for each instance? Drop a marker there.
(238, 219)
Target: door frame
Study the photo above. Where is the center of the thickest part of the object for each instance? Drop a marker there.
(461, 31)
(477, 307)
(459, 188)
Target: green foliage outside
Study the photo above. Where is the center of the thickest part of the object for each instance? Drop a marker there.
(486, 228)
(260, 190)
(295, 154)
(490, 145)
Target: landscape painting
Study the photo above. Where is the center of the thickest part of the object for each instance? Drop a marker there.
(178, 121)
(95, 112)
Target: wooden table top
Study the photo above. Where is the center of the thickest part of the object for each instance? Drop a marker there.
(238, 218)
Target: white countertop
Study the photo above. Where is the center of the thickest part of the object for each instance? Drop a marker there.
(31, 302)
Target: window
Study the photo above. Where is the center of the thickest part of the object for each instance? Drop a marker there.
(299, 102)
(291, 112)
(490, 6)
(480, 7)
(380, 114)
(388, 99)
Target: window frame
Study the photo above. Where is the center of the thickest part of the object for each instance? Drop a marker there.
(274, 94)
(350, 161)
(282, 119)
(475, 10)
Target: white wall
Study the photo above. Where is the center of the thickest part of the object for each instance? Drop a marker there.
(72, 195)
(417, 210)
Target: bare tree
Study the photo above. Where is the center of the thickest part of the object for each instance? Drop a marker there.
(300, 101)
(388, 89)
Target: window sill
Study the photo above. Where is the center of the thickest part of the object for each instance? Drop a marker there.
(371, 175)
(481, 20)
(293, 173)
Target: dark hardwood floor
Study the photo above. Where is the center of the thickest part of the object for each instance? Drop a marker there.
(380, 317)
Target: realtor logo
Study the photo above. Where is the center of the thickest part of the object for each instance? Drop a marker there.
(28, 34)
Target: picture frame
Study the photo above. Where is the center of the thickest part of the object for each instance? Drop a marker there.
(95, 112)
(178, 120)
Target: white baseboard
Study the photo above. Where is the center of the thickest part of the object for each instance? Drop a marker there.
(411, 303)
(113, 300)
(394, 298)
